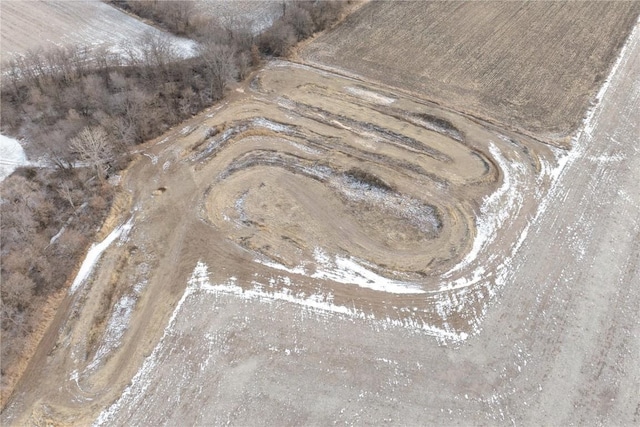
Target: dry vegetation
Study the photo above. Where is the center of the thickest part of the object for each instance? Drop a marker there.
(257, 14)
(294, 20)
(529, 65)
(48, 97)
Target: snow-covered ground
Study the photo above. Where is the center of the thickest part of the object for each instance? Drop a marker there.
(370, 95)
(11, 156)
(348, 271)
(30, 25)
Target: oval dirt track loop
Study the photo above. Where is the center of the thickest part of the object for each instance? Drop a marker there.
(350, 185)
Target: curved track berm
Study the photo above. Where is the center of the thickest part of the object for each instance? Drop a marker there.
(358, 192)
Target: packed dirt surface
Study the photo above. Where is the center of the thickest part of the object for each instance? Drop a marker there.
(32, 25)
(321, 249)
(534, 66)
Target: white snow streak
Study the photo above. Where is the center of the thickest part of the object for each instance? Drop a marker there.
(11, 156)
(95, 252)
(140, 382)
(348, 271)
(370, 95)
(199, 283)
(116, 327)
(502, 204)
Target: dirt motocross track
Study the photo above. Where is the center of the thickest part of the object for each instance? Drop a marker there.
(321, 249)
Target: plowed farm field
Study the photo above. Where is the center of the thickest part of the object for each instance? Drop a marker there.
(528, 65)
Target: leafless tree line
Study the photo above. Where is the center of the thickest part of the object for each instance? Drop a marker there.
(179, 17)
(48, 99)
(299, 20)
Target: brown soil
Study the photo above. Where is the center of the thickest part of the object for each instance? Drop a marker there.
(533, 66)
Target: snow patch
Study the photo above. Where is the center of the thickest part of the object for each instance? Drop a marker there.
(57, 235)
(96, 251)
(348, 271)
(116, 327)
(140, 382)
(152, 157)
(496, 208)
(370, 95)
(271, 125)
(199, 283)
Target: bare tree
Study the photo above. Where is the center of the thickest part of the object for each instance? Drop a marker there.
(243, 62)
(35, 68)
(221, 68)
(300, 20)
(93, 147)
(157, 50)
(95, 91)
(177, 15)
(12, 73)
(69, 191)
(278, 39)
